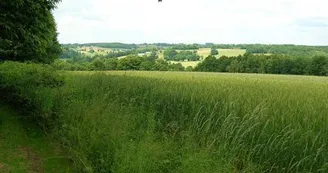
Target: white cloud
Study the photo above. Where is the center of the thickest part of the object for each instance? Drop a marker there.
(219, 21)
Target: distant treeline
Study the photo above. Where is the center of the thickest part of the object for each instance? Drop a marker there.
(104, 45)
(272, 64)
(69, 53)
(173, 55)
(271, 59)
(287, 49)
(82, 57)
(131, 62)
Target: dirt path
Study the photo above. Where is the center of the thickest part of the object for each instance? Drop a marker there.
(25, 149)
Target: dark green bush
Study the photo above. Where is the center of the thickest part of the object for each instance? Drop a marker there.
(30, 88)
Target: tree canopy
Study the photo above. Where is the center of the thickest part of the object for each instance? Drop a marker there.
(28, 31)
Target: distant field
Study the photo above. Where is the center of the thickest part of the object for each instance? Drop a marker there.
(160, 54)
(231, 52)
(266, 54)
(97, 50)
(204, 52)
(187, 63)
(121, 57)
(201, 51)
(222, 52)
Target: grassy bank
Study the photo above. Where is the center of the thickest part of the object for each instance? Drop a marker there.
(24, 148)
(188, 122)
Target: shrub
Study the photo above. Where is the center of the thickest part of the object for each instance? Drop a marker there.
(29, 87)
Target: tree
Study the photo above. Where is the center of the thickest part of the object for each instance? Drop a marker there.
(161, 65)
(176, 67)
(28, 31)
(319, 66)
(152, 57)
(98, 65)
(214, 51)
(130, 63)
(170, 54)
(111, 64)
(209, 64)
(147, 65)
(187, 55)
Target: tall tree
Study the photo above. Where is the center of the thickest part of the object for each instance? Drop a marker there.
(28, 31)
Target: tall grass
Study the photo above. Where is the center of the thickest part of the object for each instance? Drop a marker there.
(193, 122)
(215, 122)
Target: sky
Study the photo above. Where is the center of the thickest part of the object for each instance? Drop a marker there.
(193, 21)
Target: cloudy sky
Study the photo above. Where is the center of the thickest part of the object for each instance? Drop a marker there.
(193, 21)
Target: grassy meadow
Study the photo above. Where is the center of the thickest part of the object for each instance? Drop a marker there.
(186, 63)
(208, 122)
(231, 52)
(205, 52)
(180, 122)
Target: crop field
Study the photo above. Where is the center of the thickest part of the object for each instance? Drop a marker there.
(97, 50)
(187, 63)
(134, 121)
(231, 52)
(212, 122)
(204, 52)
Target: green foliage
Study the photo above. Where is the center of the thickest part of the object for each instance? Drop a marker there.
(187, 55)
(214, 51)
(130, 63)
(28, 31)
(272, 64)
(20, 141)
(189, 68)
(105, 45)
(292, 50)
(146, 65)
(30, 88)
(319, 66)
(170, 54)
(111, 64)
(176, 67)
(185, 46)
(173, 55)
(98, 65)
(209, 64)
(161, 65)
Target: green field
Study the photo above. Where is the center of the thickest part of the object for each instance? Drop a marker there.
(186, 63)
(231, 52)
(210, 122)
(204, 52)
(134, 121)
